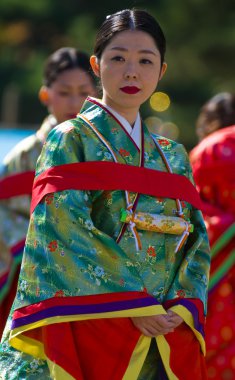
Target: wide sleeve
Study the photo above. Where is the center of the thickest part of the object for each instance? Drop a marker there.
(14, 211)
(187, 295)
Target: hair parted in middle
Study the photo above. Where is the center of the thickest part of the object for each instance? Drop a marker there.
(128, 19)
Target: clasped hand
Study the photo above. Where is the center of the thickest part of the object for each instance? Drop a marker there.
(155, 325)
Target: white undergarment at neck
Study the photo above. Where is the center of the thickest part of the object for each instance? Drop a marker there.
(134, 132)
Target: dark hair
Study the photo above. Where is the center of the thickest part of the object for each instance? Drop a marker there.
(63, 59)
(220, 110)
(129, 20)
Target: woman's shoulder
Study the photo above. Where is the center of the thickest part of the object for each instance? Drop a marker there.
(23, 155)
(64, 145)
(68, 127)
(167, 144)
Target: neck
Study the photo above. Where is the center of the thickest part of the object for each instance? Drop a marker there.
(130, 114)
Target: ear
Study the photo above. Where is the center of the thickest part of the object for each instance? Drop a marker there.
(95, 65)
(163, 70)
(44, 95)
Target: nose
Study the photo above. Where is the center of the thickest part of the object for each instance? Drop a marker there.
(76, 101)
(131, 72)
(130, 76)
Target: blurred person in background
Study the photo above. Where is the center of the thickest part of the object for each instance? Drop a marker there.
(213, 163)
(113, 283)
(67, 81)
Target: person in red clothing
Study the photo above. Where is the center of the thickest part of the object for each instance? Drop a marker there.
(213, 163)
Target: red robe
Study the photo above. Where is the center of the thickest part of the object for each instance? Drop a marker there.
(213, 163)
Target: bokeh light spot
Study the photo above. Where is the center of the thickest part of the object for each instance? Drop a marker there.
(225, 290)
(165, 129)
(160, 101)
(226, 333)
(154, 124)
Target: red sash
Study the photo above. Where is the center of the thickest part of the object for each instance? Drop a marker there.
(100, 175)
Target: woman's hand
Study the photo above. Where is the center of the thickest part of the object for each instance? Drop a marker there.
(174, 318)
(155, 325)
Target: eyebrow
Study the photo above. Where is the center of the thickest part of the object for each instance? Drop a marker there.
(145, 51)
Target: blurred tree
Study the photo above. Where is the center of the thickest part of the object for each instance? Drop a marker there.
(200, 49)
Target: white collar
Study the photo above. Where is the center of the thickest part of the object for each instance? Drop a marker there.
(133, 132)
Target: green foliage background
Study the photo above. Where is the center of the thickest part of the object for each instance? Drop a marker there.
(200, 49)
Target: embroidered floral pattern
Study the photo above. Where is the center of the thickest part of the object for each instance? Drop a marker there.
(122, 282)
(181, 293)
(35, 367)
(23, 289)
(108, 200)
(59, 293)
(89, 224)
(49, 199)
(114, 131)
(97, 273)
(151, 251)
(107, 156)
(126, 154)
(165, 143)
(52, 246)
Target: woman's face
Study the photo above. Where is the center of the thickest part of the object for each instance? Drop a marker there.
(68, 92)
(129, 68)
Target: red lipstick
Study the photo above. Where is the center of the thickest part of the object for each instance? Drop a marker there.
(130, 89)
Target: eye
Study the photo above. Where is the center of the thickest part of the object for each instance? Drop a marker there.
(63, 93)
(117, 58)
(84, 93)
(146, 61)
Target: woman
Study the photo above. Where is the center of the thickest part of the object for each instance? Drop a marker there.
(213, 162)
(111, 254)
(67, 82)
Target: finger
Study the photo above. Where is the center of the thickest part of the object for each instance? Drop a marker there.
(166, 331)
(147, 332)
(177, 320)
(174, 318)
(154, 331)
(163, 323)
(161, 331)
(171, 315)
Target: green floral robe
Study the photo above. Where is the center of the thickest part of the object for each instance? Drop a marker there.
(72, 248)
